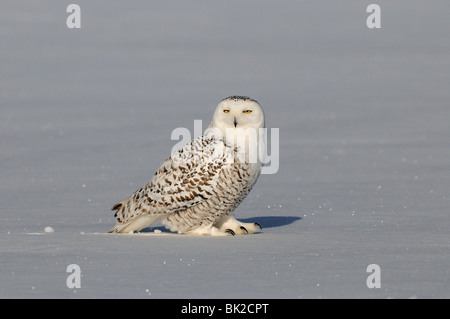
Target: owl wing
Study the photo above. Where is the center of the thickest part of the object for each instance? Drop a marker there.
(184, 180)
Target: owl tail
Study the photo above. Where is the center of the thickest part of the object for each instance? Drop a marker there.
(119, 205)
(136, 223)
(120, 209)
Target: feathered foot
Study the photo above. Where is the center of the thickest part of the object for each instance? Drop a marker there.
(230, 224)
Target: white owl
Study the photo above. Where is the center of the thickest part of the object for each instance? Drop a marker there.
(196, 190)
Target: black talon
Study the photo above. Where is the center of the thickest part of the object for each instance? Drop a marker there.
(244, 229)
(230, 231)
(258, 225)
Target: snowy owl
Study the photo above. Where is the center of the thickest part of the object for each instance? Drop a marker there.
(196, 190)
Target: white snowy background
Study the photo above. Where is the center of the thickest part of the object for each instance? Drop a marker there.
(86, 117)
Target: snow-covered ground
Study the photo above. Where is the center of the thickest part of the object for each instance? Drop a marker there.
(86, 117)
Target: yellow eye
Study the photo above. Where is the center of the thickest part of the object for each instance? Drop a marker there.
(226, 111)
(247, 111)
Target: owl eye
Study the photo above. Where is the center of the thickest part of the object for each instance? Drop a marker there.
(247, 111)
(226, 111)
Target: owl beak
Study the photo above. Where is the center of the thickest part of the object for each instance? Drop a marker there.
(235, 122)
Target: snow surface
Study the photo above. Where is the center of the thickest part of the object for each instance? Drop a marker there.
(364, 116)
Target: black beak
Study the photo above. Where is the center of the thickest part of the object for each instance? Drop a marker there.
(235, 123)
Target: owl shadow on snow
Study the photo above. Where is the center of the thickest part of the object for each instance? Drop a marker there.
(271, 221)
(264, 221)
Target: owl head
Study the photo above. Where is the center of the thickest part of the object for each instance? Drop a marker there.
(238, 112)
(239, 121)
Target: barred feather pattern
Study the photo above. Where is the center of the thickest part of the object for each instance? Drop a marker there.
(202, 182)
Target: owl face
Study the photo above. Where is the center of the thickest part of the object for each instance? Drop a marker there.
(238, 112)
